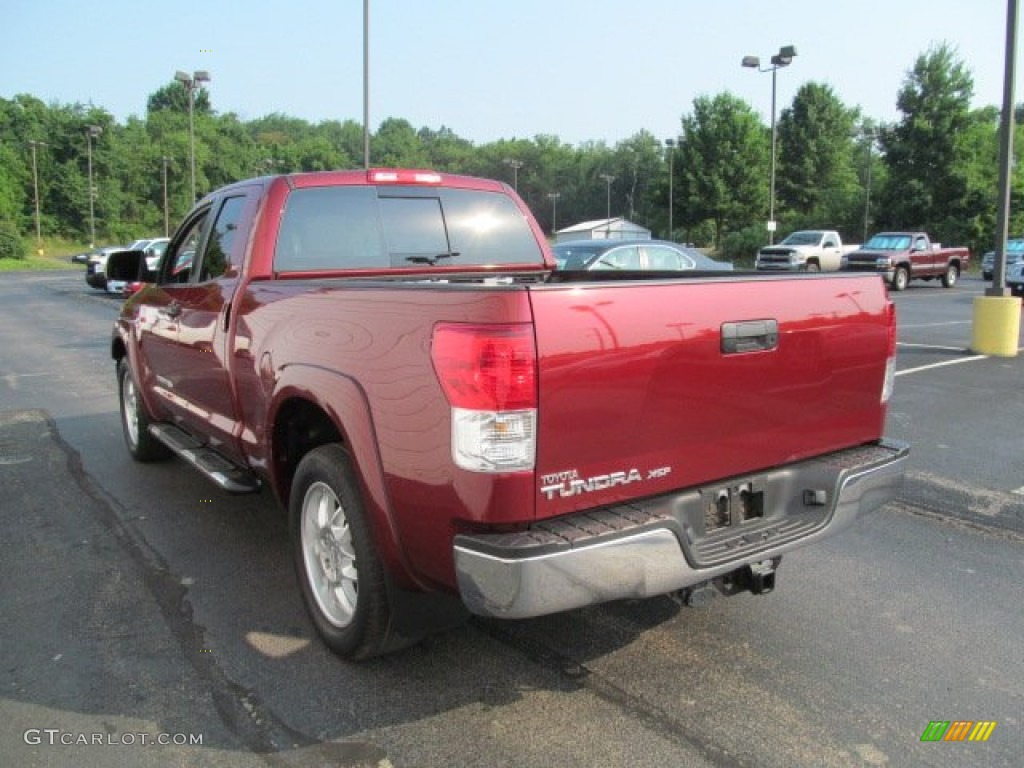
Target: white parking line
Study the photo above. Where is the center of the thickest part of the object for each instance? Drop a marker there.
(942, 364)
(936, 325)
(929, 346)
(1019, 491)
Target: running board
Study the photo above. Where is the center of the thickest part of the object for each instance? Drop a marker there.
(227, 475)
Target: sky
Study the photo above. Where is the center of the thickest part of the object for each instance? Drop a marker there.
(579, 70)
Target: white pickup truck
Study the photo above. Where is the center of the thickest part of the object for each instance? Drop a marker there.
(809, 250)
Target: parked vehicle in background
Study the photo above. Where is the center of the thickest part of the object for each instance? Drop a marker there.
(808, 250)
(96, 264)
(904, 256)
(643, 255)
(1015, 278)
(451, 421)
(1014, 253)
(154, 251)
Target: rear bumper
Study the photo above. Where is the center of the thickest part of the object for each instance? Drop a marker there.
(669, 543)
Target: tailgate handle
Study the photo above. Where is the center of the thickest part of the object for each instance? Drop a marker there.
(749, 336)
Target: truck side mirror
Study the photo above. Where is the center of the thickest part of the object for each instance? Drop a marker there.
(130, 267)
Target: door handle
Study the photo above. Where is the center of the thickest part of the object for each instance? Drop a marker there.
(172, 310)
(749, 336)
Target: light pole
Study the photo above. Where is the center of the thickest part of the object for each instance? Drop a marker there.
(167, 216)
(35, 187)
(515, 165)
(366, 85)
(191, 83)
(553, 197)
(91, 132)
(781, 59)
(671, 144)
(870, 136)
(608, 179)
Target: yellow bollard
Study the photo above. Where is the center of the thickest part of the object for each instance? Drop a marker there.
(996, 328)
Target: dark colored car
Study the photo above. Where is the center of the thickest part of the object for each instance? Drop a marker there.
(645, 255)
(1014, 253)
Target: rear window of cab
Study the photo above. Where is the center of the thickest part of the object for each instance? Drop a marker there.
(367, 227)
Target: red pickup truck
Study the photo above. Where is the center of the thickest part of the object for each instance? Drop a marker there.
(904, 256)
(450, 420)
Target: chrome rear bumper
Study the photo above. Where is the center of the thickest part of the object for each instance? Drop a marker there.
(663, 545)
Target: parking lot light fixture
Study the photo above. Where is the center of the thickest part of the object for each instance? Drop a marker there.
(167, 218)
(671, 144)
(553, 197)
(191, 83)
(515, 165)
(91, 132)
(781, 59)
(35, 186)
(608, 179)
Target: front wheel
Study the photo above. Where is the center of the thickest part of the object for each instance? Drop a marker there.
(900, 279)
(134, 419)
(341, 576)
(949, 279)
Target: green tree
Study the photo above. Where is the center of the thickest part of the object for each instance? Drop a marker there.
(925, 152)
(174, 97)
(722, 165)
(396, 144)
(816, 181)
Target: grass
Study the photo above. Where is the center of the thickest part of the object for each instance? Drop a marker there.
(56, 255)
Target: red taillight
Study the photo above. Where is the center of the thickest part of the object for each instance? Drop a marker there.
(486, 367)
(892, 330)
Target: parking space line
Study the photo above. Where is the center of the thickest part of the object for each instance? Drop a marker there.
(942, 364)
(929, 346)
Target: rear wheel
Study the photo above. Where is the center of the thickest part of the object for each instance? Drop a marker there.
(134, 419)
(341, 576)
(949, 279)
(900, 279)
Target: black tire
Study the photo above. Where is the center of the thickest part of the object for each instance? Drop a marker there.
(813, 266)
(952, 274)
(900, 279)
(341, 576)
(134, 419)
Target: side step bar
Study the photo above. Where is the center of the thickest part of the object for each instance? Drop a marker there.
(228, 476)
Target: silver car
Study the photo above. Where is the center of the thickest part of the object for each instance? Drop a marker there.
(645, 255)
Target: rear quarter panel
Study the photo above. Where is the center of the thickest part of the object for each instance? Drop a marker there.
(295, 337)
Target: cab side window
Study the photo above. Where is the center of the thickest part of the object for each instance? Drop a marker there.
(181, 255)
(217, 256)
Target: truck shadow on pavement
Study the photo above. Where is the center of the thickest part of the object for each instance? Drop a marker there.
(173, 609)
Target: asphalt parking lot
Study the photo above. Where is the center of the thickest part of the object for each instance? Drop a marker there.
(138, 603)
(960, 411)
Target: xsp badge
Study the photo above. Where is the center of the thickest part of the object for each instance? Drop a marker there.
(569, 483)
